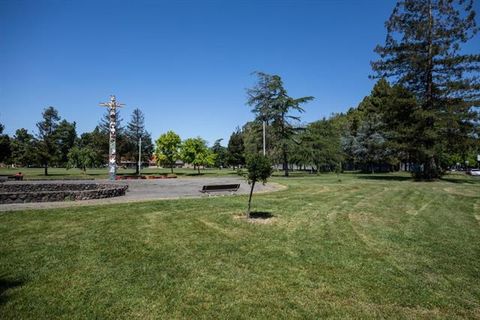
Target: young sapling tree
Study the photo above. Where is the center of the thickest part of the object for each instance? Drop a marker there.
(259, 168)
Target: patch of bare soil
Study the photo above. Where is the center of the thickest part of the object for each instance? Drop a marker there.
(257, 217)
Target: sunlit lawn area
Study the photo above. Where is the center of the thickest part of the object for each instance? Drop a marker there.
(377, 246)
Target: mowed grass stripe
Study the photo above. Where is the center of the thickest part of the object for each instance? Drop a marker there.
(356, 248)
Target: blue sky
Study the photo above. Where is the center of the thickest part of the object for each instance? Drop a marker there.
(185, 64)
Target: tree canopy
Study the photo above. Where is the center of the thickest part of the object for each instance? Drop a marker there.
(168, 149)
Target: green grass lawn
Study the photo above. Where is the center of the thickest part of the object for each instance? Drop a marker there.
(377, 246)
(102, 173)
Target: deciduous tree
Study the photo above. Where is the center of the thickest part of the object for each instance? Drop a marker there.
(81, 158)
(168, 149)
(259, 169)
(195, 151)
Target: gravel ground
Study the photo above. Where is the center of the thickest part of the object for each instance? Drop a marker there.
(147, 190)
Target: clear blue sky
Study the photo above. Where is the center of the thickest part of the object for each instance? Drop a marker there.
(185, 64)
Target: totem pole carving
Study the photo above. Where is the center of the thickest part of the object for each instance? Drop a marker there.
(112, 159)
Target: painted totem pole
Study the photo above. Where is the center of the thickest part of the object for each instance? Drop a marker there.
(112, 158)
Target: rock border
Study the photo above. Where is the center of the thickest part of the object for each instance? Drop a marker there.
(50, 192)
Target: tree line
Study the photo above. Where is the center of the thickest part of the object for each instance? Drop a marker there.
(56, 143)
(422, 114)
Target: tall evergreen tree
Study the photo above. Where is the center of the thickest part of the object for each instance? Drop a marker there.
(270, 103)
(320, 145)
(423, 53)
(236, 149)
(5, 147)
(134, 132)
(97, 141)
(46, 148)
(65, 136)
(22, 146)
(221, 154)
(369, 145)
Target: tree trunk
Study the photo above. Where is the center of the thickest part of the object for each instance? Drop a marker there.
(45, 169)
(285, 161)
(250, 200)
(137, 169)
(429, 104)
(171, 167)
(198, 169)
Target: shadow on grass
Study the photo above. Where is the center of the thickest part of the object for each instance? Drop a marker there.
(261, 215)
(385, 178)
(5, 285)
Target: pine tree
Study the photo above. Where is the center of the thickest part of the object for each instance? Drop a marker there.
(5, 145)
(236, 149)
(65, 136)
(134, 132)
(422, 52)
(46, 148)
(22, 145)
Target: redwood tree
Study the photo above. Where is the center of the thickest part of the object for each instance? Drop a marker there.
(422, 52)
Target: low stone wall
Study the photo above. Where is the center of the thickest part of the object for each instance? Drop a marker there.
(47, 192)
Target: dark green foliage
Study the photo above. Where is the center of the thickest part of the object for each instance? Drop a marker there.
(23, 148)
(96, 141)
(221, 154)
(252, 132)
(270, 103)
(5, 148)
(81, 158)
(369, 146)
(259, 169)
(47, 149)
(134, 132)
(422, 53)
(236, 149)
(65, 136)
(319, 146)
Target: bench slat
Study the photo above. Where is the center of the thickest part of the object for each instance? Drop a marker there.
(220, 187)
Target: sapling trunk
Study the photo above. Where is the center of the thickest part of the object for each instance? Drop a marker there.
(250, 200)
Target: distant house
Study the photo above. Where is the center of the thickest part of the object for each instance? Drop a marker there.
(179, 164)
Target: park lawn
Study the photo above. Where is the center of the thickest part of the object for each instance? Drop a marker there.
(379, 246)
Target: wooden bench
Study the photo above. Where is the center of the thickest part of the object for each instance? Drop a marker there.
(220, 188)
